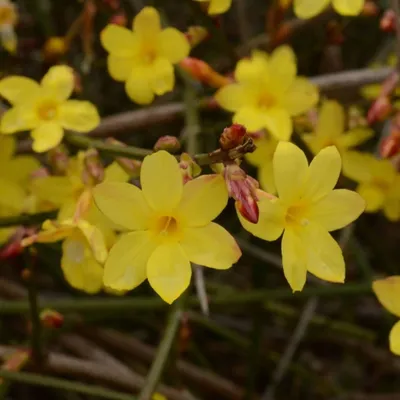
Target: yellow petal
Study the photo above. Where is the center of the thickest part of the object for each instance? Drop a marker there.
(359, 167)
(18, 119)
(253, 69)
(147, 24)
(119, 41)
(81, 270)
(95, 240)
(330, 120)
(9, 38)
(394, 339)
(5, 234)
(161, 181)
(115, 173)
(7, 148)
(210, 246)
(371, 92)
(59, 81)
(46, 136)
(355, 137)
(324, 255)
(387, 291)
(126, 264)
(120, 67)
(323, 174)
(21, 168)
(67, 209)
(15, 88)
(123, 203)
(391, 208)
(300, 97)
(265, 149)
(54, 189)
(373, 196)
(203, 199)
(348, 7)
(169, 271)
(294, 260)
(219, 6)
(51, 233)
(278, 122)
(12, 196)
(290, 170)
(173, 45)
(79, 116)
(138, 86)
(266, 177)
(338, 209)
(232, 97)
(309, 8)
(251, 117)
(271, 220)
(283, 69)
(162, 78)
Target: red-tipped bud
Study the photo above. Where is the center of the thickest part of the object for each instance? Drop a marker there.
(51, 319)
(243, 189)
(168, 143)
(119, 19)
(232, 136)
(379, 110)
(370, 9)
(201, 71)
(389, 147)
(11, 250)
(388, 21)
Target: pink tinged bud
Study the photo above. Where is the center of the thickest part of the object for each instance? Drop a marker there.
(58, 159)
(379, 110)
(11, 250)
(388, 21)
(16, 361)
(51, 319)
(93, 168)
(188, 167)
(232, 136)
(119, 19)
(167, 143)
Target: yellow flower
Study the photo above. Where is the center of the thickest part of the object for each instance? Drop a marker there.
(379, 182)
(8, 20)
(83, 251)
(388, 293)
(268, 93)
(330, 130)
(170, 226)
(44, 109)
(144, 58)
(217, 6)
(311, 8)
(306, 211)
(262, 159)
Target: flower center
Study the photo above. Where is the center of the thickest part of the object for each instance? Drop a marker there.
(381, 184)
(266, 100)
(166, 226)
(75, 251)
(296, 216)
(7, 15)
(148, 54)
(47, 110)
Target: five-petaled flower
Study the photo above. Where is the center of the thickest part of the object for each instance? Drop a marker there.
(330, 130)
(268, 93)
(217, 6)
(170, 226)
(45, 109)
(379, 182)
(83, 251)
(8, 20)
(144, 58)
(306, 211)
(311, 8)
(388, 293)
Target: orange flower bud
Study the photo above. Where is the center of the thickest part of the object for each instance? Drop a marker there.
(370, 9)
(388, 21)
(51, 319)
(54, 48)
(379, 110)
(119, 19)
(202, 72)
(232, 136)
(168, 143)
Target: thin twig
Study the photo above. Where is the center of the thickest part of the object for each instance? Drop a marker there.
(163, 350)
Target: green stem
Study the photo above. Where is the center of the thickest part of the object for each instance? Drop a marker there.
(163, 350)
(146, 303)
(31, 219)
(63, 384)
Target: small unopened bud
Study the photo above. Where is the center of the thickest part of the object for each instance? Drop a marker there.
(232, 136)
(51, 319)
(379, 110)
(11, 250)
(388, 21)
(196, 34)
(202, 72)
(58, 159)
(16, 361)
(26, 274)
(370, 9)
(243, 189)
(188, 167)
(54, 48)
(168, 143)
(119, 19)
(389, 147)
(93, 172)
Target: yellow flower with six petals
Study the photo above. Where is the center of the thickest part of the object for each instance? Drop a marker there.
(311, 8)
(170, 226)
(268, 93)
(330, 130)
(388, 293)
(144, 58)
(45, 109)
(216, 7)
(379, 182)
(306, 211)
